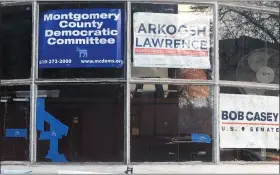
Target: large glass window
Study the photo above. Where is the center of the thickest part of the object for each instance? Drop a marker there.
(170, 43)
(15, 41)
(65, 52)
(14, 123)
(89, 119)
(171, 40)
(171, 123)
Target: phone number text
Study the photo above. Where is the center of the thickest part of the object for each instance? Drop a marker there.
(56, 61)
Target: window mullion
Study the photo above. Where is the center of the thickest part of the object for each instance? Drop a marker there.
(127, 89)
(215, 118)
(33, 87)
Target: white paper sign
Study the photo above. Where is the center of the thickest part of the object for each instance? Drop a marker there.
(171, 40)
(249, 121)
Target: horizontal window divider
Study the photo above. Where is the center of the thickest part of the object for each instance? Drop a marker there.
(170, 81)
(252, 85)
(81, 163)
(15, 163)
(79, 80)
(197, 2)
(137, 1)
(50, 2)
(15, 82)
(136, 163)
(248, 163)
(206, 163)
(173, 163)
(264, 9)
(16, 3)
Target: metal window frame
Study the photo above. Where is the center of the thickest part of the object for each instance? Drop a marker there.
(34, 86)
(264, 9)
(216, 83)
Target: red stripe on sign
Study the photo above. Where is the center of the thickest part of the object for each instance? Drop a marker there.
(153, 51)
(242, 123)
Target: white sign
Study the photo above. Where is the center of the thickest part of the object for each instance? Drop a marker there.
(171, 40)
(249, 121)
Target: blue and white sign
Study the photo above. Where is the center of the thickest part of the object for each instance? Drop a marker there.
(81, 38)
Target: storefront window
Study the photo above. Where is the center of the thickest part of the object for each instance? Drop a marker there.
(79, 40)
(172, 41)
(88, 121)
(15, 41)
(79, 103)
(249, 44)
(14, 123)
(249, 128)
(171, 123)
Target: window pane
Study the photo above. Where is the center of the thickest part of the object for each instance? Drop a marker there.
(14, 124)
(249, 125)
(15, 41)
(171, 123)
(249, 44)
(91, 123)
(186, 53)
(71, 28)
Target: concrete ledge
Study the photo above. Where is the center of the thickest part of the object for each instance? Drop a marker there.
(152, 169)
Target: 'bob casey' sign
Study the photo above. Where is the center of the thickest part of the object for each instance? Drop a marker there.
(249, 121)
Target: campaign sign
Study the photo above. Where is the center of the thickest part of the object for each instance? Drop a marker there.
(171, 40)
(81, 38)
(249, 121)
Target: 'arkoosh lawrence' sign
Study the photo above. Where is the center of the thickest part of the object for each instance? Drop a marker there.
(171, 40)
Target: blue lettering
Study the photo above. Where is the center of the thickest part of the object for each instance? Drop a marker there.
(232, 115)
(142, 28)
(193, 32)
(275, 115)
(269, 117)
(195, 44)
(171, 29)
(257, 117)
(147, 43)
(248, 117)
(168, 43)
(263, 116)
(203, 31)
(224, 115)
(152, 28)
(177, 43)
(240, 115)
(182, 29)
(160, 29)
(137, 44)
(203, 45)
(157, 42)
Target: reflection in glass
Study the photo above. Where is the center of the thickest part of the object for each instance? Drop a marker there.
(265, 3)
(15, 42)
(163, 119)
(174, 73)
(246, 154)
(14, 123)
(94, 116)
(249, 45)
